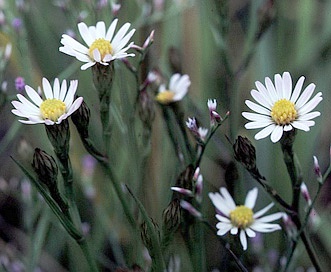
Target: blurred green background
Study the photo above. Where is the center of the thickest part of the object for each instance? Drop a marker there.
(224, 46)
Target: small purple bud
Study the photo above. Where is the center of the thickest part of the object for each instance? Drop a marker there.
(17, 24)
(305, 193)
(317, 168)
(19, 84)
(183, 191)
(188, 206)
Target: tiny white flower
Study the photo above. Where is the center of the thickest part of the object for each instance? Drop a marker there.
(241, 219)
(280, 109)
(58, 104)
(103, 47)
(178, 87)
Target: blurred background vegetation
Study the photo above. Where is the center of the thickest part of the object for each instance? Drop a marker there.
(224, 46)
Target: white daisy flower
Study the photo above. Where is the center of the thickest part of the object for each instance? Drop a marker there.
(178, 87)
(279, 108)
(103, 47)
(58, 104)
(241, 218)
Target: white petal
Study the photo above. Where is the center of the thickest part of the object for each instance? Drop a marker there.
(265, 132)
(219, 203)
(263, 91)
(287, 85)
(47, 88)
(234, 230)
(302, 125)
(71, 43)
(297, 89)
(251, 198)
(271, 217)
(228, 198)
(85, 33)
(305, 96)
(310, 105)
(287, 127)
(257, 124)
(243, 239)
(257, 108)
(75, 105)
(223, 219)
(120, 34)
(264, 227)
(63, 90)
(274, 96)
(223, 229)
(96, 55)
(279, 85)
(261, 99)
(250, 233)
(276, 134)
(34, 96)
(263, 211)
(255, 116)
(87, 65)
(100, 30)
(309, 116)
(117, 47)
(111, 30)
(56, 88)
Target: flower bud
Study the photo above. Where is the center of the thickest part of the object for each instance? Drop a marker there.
(81, 119)
(45, 167)
(188, 206)
(244, 152)
(59, 136)
(172, 216)
(146, 235)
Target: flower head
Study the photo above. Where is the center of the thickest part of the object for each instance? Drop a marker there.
(178, 87)
(280, 108)
(103, 47)
(58, 104)
(241, 218)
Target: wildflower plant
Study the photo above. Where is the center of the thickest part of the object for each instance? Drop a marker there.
(137, 148)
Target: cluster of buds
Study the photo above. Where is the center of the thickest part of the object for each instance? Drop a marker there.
(215, 118)
(148, 42)
(195, 193)
(199, 133)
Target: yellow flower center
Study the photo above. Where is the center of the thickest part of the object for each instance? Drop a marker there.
(165, 97)
(52, 109)
(283, 112)
(103, 46)
(241, 217)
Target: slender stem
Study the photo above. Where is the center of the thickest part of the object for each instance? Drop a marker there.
(227, 247)
(90, 260)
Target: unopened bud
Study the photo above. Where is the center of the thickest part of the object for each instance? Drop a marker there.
(146, 235)
(198, 189)
(59, 136)
(81, 119)
(172, 216)
(188, 206)
(244, 152)
(305, 193)
(317, 168)
(45, 167)
(19, 84)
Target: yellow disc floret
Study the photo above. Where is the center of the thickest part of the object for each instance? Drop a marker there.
(52, 109)
(241, 217)
(283, 112)
(103, 46)
(165, 97)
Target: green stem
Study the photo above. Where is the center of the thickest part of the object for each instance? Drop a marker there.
(227, 247)
(90, 260)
